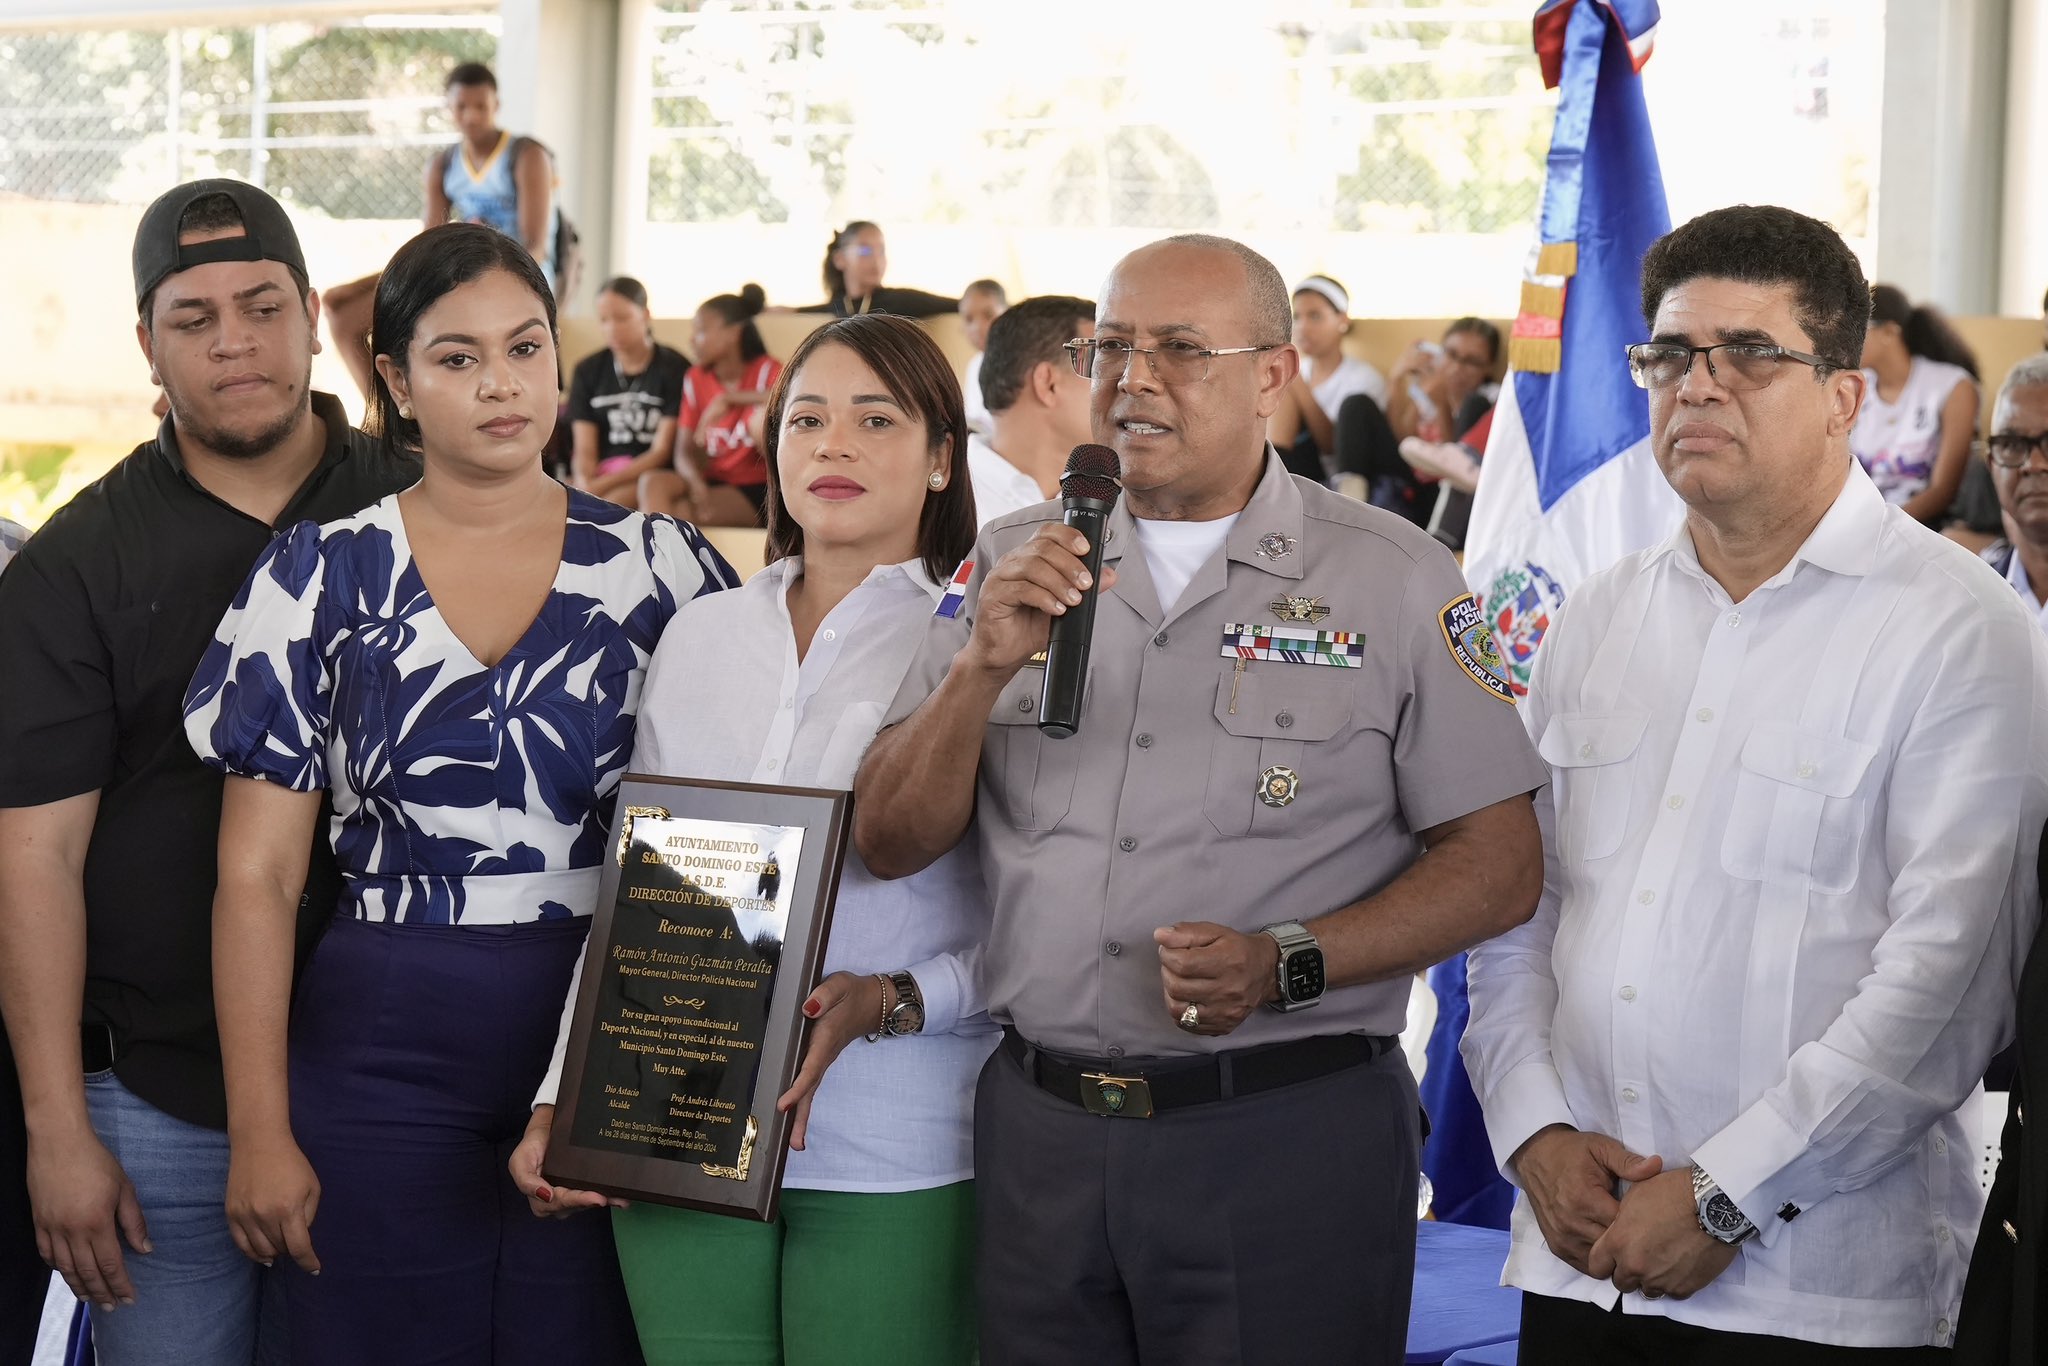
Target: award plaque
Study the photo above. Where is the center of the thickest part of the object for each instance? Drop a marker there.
(709, 933)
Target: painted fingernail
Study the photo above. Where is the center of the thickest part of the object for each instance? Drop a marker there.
(546, 1194)
(811, 1009)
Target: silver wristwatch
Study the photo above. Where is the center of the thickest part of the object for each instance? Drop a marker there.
(1718, 1215)
(1301, 980)
(908, 1015)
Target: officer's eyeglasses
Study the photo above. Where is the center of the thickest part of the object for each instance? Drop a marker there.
(1173, 362)
(1739, 366)
(2012, 450)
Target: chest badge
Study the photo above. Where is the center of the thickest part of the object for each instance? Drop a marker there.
(1275, 546)
(1291, 608)
(1279, 785)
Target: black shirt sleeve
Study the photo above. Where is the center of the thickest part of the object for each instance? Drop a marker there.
(668, 377)
(58, 732)
(913, 303)
(583, 388)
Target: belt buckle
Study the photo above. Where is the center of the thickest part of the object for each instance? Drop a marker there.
(1115, 1097)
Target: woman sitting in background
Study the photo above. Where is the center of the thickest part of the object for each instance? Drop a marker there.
(855, 261)
(1304, 427)
(1919, 407)
(622, 400)
(458, 668)
(871, 1261)
(718, 477)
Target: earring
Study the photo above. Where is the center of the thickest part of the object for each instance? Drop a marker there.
(405, 411)
(938, 479)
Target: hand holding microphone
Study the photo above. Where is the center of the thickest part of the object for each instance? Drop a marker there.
(1040, 582)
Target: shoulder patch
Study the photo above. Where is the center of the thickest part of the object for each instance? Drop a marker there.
(956, 592)
(1470, 641)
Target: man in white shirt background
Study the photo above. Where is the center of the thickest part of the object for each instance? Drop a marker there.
(1038, 406)
(1799, 759)
(2018, 452)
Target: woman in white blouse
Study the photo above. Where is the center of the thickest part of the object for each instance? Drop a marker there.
(786, 681)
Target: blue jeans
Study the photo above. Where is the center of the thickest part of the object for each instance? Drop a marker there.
(198, 1300)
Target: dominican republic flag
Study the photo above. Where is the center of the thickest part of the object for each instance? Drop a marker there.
(1568, 485)
(956, 591)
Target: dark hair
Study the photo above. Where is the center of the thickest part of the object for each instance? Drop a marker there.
(470, 73)
(422, 272)
(211, 213)
(835, 279)
(992, 288)
(1921, 326)
(1480, 328)
(1023, 338)
(1761, 244)
(918, 376)
(742, 307)
(627, 288)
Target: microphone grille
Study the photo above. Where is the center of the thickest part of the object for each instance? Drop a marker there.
(1092, 472)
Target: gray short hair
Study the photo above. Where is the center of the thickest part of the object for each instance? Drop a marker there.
(1272, 306)
(2031, 373)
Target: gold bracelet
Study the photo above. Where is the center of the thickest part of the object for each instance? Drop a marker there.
(883, 1027)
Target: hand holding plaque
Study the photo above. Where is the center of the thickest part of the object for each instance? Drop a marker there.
(689, 1022)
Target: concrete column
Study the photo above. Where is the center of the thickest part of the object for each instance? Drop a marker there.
(558, 78)
(2023, 264)
(1942, 166)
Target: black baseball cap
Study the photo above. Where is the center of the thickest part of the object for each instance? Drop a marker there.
(269, 235)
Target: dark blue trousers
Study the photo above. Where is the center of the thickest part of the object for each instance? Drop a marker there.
(415, 1052)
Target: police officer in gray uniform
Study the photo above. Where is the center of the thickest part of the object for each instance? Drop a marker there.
(1198, 1142)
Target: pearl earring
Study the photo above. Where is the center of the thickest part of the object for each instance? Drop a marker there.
(405, 411)
(938, 480)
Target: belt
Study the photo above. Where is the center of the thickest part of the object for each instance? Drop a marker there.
(1114, 1090)
(96, 1047)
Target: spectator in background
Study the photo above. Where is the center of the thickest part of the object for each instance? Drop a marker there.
(490, 176)
(623, 400)
(719, 477)
(1038, 403)
(1440, 389)
(2016, 453)
(981, 303)
(1304, 427)
(1914, 432)
(855, 261)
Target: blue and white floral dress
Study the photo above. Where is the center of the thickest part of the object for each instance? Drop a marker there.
(470, 810)
(463, 794)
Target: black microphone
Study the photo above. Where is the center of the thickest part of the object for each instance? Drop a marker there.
(1088, 494)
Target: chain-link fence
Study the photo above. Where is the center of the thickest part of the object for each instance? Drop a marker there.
(336, 117)
(1129, 116)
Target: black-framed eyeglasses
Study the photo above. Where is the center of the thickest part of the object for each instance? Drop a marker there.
(1741, 365)
(1173, 362)
(2013, 450)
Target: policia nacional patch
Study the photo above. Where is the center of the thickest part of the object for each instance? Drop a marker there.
(1470, 641)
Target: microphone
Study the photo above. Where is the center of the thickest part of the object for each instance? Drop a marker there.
(1088, 494)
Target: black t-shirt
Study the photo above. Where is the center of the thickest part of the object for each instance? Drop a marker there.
(627, 408)
(103, 617)
(908, 303)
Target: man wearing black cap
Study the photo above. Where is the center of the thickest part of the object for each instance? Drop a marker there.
(108, 822)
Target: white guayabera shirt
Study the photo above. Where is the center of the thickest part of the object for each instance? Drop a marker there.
(1790, 880)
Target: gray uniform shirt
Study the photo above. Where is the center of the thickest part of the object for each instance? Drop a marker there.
(1153, 813)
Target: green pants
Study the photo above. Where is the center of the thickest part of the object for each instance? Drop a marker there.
(837, 1280)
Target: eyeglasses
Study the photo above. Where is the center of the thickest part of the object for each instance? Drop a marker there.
(1743, 365)
(2012, 450)
(1173, 362)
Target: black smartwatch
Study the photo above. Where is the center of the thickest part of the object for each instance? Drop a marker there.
(1301, 966)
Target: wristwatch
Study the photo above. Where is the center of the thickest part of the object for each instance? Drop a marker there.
(908, 1015)
(1301, 966)
(1718, 1215)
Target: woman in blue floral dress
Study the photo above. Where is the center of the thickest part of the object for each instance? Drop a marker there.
(458, 669)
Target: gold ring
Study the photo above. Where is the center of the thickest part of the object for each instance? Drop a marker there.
(1191, 1018)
